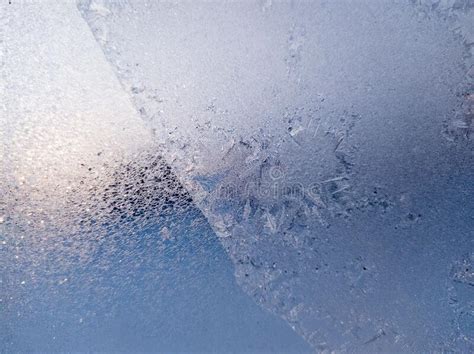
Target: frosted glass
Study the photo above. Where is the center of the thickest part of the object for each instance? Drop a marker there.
(236, 176)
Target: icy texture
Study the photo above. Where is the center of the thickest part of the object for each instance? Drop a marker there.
(101, 248)
(329, 143)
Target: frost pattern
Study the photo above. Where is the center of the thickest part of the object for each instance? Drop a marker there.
(458, 14)
(313, 138)
(461, 291)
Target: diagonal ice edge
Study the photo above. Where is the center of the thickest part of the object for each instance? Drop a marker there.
(79, 170)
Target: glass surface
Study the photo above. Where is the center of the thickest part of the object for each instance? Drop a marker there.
(244, 176)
